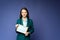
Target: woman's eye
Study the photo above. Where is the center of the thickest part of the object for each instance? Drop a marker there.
(24, 12)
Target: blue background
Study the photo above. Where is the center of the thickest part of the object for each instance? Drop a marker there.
(44, 13)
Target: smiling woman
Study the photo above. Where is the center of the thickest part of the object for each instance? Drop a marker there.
(25, 21)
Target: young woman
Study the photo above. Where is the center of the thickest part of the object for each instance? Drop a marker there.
(25, 21)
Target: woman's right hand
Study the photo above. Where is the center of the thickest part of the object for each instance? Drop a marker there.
(16, 25)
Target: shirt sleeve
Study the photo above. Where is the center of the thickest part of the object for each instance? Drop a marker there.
(31, 29)
(18, 21)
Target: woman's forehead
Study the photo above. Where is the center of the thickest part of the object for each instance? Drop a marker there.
(23, 10)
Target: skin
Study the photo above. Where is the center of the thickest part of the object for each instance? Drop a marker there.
(24, 14)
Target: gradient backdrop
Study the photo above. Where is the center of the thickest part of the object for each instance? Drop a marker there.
(44, 13)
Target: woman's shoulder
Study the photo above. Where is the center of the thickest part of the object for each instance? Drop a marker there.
(18, 19)
(30, 20)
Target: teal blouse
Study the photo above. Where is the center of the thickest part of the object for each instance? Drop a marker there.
(21, 36)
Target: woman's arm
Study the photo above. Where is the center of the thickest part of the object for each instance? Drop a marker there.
(31, 29)
(17, 24)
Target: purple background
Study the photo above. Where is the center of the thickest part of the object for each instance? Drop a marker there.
(45, 15)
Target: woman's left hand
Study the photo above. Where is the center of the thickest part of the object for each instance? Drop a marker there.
(27, 33)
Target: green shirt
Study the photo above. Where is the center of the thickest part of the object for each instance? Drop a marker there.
(21, 36)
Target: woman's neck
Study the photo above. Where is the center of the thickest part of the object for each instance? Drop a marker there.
(24, 18)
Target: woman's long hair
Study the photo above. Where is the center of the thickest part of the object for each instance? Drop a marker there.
(26, 11)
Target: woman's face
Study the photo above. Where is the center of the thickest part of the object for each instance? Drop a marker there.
(24, 13)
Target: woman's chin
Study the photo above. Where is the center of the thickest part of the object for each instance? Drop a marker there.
(24, 17)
